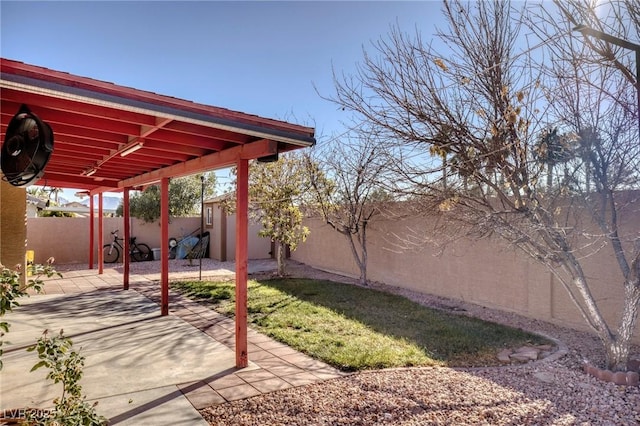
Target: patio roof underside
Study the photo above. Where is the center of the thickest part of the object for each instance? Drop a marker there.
(95, 121)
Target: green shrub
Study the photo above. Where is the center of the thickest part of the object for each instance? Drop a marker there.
(65, 366)
(11, 289)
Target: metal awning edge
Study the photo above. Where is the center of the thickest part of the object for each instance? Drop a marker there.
(31, 85)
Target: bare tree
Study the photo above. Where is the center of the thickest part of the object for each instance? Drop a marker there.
(352, 196)
(482, 101)
(598, 101)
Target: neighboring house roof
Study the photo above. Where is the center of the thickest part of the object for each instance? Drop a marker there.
(110, 203)
(220, 198)
(35, 201)
(74, 204)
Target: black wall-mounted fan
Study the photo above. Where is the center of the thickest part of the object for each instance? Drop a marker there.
(27, 147)
(269, 158)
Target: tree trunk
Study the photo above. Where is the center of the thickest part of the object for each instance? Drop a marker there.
(617, 351)
(588, 178)
(617, 355)
(580, 294)
(280, 255)
(363, 247)
(444, 173)
(361, 260)
(617, 345)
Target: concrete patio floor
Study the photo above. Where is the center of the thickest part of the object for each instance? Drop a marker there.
(142, 368)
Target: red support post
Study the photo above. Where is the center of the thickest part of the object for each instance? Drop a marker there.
(92, 238)
(164, 238)
(127, 234)
(242, 224)
(100, 235)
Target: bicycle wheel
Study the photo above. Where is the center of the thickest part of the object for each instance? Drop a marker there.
(140, 252)
(110, 253)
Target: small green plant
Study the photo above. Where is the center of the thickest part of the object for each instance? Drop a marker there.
(65, 366)
(11, 289)
(55, 353)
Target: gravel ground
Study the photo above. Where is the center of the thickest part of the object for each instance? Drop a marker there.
(543, 393)
(550, 392)
(549, 395)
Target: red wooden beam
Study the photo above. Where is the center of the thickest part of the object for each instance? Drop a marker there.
(163, 146)
(242, 224)
(78, 142)
(205, 133)
(217, 160)
(77, 181)
(63, 130)
(101, 124)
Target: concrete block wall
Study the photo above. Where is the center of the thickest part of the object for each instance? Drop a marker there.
(486, 272)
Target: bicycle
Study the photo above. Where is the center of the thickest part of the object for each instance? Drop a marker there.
(138, 252)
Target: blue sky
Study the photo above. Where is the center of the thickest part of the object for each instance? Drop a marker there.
(261, 58)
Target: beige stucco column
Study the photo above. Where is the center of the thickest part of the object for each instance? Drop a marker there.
(13, 226)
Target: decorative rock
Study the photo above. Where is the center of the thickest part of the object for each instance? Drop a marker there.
(503, 356)
(633, 378)
(528, 352)
(629, 378)
(546, 348)
(605, 375)
(524, 354)
(620, 378)
(520, 357)
(591, 370)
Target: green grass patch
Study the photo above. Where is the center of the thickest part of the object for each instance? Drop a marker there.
(356, 328)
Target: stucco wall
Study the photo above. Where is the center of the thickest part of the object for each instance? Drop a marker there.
(179, 227)
(13, 231)
(67, 239)
(259, 248)
(223, 240)
(485, 272)
(219, 238)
